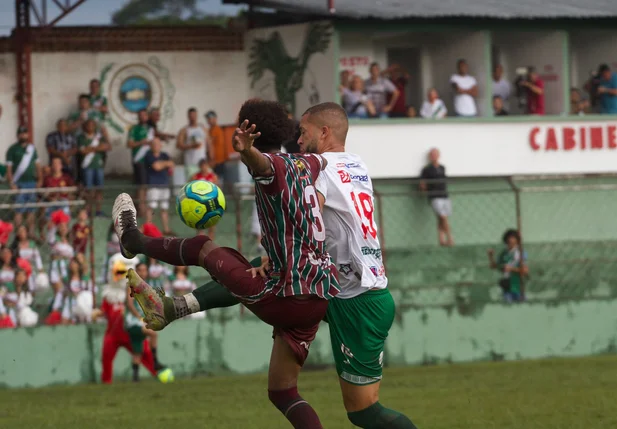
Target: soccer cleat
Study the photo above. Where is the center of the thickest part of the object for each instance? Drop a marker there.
(152, 301)
(124, 216)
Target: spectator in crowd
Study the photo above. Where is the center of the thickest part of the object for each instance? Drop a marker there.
(28, 250)
(20, 297)
(465, 90)
(77, 282)
(8, 265)
(217, 144)
(84, 112)
(433, 107)
(412, 112)
(153, 123)
(498, 109)
(139, 139)
(400, 78)
(607, 90)
(579, 105)
(24, 172)
(378, 89)
(205, 173)
(159, 166)
(535, 92)
(501, 87)
(182, 283)
(433, 183)
(62, 144)
(92, 146)
(80, 233)
(61, 254)
(192, 141)
(356, 103)
(344, 79)
(137, 331)
(512, 263)
(57, 179)
(98, 102)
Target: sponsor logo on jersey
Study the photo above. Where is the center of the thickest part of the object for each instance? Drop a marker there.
(348, 178)
(378, 272)
(369, 251)
(349, 165)
(300, 164)
(345, 268)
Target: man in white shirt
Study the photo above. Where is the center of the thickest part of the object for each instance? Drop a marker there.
(194, 143)
(433, 107)
(465, 91)
(501, 86)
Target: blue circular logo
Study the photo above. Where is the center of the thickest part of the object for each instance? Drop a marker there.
(135, 94)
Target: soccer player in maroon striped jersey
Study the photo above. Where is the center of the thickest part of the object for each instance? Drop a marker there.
(293, 298)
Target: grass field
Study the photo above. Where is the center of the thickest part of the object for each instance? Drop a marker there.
(547, 394)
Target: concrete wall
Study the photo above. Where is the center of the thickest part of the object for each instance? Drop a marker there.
(226, 343)
(205, 80)
(292, 64)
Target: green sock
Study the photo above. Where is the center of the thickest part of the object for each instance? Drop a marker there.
(213, 295)
(378, 417)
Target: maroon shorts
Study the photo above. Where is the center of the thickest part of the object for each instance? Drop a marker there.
(295, 319)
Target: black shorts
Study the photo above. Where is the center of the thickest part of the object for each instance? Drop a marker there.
(140, 174)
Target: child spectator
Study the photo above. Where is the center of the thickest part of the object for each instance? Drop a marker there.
(61, 254)
(76, 282)
(181, 283)
(27, 249)
(92, 146)
(158, 167)
(7, 277)
(57, 179)
(19, 297)
(205, 173)
(133, 322)
(80, 233)
(512, 263)
(159, 274)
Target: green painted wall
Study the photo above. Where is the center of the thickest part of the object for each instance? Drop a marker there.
(227, 343)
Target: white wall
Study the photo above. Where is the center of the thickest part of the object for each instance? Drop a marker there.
(487, 149)
(205, 80)
(357, 52)
(283, 53)
(544, 51)
(588, 50)
(8, 121)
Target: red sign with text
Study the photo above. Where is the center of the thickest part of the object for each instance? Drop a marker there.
(566, 138)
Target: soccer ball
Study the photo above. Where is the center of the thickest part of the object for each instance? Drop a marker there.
(166, 376)
(200, 204)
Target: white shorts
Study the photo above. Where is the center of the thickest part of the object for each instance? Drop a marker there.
(158, 197)
(255, 227)
(442, 206)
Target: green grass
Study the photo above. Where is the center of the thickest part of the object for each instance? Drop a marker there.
(546, 394)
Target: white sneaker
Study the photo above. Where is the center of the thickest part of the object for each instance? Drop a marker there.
(124, 216)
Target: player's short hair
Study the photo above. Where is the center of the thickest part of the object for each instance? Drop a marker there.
(272, 122)
(331, 115)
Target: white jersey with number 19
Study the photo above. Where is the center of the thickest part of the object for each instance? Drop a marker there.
(351, 231)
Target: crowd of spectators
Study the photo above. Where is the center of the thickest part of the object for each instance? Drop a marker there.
(47, 216)
(383, 94)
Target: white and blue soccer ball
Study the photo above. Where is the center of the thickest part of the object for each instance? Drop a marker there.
(200, 204)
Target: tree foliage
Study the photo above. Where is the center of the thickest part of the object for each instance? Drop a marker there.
(163, 12)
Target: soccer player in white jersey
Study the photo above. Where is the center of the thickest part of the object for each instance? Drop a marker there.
(361, 315)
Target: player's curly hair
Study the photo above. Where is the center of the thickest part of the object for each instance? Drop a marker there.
(272, 122)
